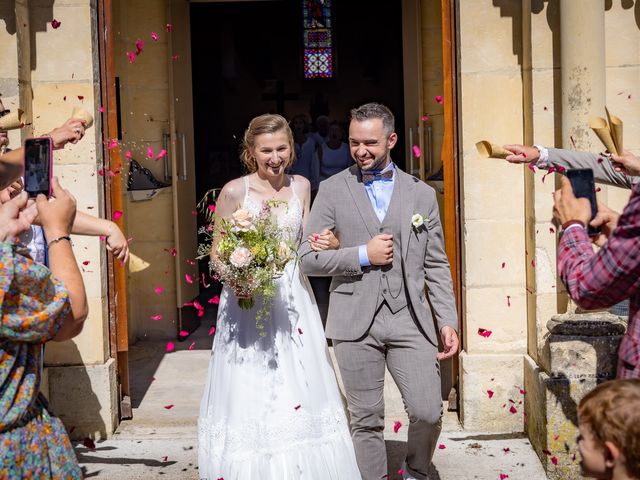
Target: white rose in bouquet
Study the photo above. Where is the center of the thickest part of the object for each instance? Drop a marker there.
(242, 220)
(241, 257)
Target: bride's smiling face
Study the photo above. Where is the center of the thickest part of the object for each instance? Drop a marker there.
(272, 153)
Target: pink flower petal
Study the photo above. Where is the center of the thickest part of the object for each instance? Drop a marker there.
(183, 333)
(169, 27)
(149, 152)
(156, 317)
(506, 450)
(170, 347)
(442, 446)
(197, 305)
(424, 118)
(192, 346)
(490, 393)
(297, 407)
(531, 167)
(175, 57)
(132, 57)
(159, 290)
(504, 264)
(300, 331)
(188, 278)
(161, 153)
(128, 154)
(204, 282)
(80, 97)
(154, 36)
(212, 208)
(523, 391)
(396, 426)
(117, 215)
(215, 300)
(212, 330)
(438, 99)
(139, 46)
(513, 409)
(101, 109)
(165, 458)
(483, 332)
(416, 151)
(112, 144)
(86, 262)
(401, 472)
(55, 24)
(101, 172)
(554, 460)
(503, 476)
(169, 407)
(102, 238)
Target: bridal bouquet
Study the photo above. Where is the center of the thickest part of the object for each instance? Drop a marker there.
(251, 252)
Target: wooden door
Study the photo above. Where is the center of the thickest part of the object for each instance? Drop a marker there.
(182, 160)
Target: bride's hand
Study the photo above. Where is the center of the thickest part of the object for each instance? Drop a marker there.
(325, 240)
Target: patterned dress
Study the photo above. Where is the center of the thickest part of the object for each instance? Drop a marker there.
(33, 443)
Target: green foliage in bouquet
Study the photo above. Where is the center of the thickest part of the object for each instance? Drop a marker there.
(249, 253)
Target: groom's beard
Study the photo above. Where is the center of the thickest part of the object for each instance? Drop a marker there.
(378, 164)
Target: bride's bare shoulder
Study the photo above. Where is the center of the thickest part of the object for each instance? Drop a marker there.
(302, 183)
(233, 190)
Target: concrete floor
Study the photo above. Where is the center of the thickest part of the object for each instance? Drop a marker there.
(161, 442)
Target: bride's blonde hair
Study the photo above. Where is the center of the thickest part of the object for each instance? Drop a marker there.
(267, 123)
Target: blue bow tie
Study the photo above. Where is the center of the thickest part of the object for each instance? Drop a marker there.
(368, 177)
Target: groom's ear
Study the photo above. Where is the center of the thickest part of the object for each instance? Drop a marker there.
(391, 141)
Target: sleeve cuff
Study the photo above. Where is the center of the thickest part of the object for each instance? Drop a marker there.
(363, 257)
(543, 159)
(573, 225)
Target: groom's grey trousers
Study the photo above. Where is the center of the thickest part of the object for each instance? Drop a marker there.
(396, 340)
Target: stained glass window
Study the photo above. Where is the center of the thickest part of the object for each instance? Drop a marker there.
(318, 45)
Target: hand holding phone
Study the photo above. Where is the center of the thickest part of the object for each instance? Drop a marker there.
(584, 186)
(38, 160)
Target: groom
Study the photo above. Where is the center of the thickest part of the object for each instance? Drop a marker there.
(391, 248)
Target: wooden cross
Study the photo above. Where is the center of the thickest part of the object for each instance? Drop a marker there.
(279, 96)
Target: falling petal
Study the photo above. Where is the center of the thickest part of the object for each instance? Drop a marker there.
(101, 109)
(170, 347)
(159, 290)
(438, 99)
(161, 154)
(183, 333)
(113, 144)
(212, 330)
(416, 151)
(132, 57)
(175, 57)
(169, 407)
(197, 305)
(149, 152)
(169, 27)
(139, 46)
(117, 215)
(55, 24)
(490, 393)
(128, 154)
(212, 208)
(101, 172)
(424, 118)
(192, 346)
(156, 317)
(204, 283)
(200, 313)
(396, 426)
(188, 278)
(215, 300)
(401, 472)
(483, 332)
(154, 36)
(531, 167)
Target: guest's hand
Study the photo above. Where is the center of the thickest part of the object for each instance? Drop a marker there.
(15, 218)
(70, 131)
(325, 240)
(450, 343)
(117, 243)
(58, 213)
(606, 220)
(521, 153)
(626, 163)
(567, 207)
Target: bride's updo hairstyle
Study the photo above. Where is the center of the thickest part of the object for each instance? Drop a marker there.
(267, 123)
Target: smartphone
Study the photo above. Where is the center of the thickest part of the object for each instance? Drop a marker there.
(38, 159)
(584, 187)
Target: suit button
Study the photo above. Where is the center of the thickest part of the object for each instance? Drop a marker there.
(384, 291)
(384, 275)
(381, 230)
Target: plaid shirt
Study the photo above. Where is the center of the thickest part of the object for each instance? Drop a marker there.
(602, 279)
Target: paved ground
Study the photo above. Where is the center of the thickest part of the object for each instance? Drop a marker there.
(161, 442)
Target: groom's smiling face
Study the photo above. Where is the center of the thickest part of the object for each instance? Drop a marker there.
(370, 145)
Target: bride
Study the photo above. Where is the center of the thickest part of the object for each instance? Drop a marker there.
(271, 407)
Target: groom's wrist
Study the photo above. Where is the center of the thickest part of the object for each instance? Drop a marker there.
(363, 257)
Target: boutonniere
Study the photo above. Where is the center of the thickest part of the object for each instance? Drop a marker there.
(418, 222)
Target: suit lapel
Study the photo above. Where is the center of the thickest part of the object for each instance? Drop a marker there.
(361, 199)
(406, 185)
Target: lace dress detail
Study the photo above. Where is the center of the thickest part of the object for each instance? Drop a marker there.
(271, 407)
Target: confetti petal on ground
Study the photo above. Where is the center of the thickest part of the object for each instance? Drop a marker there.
(396, 426)
(508, 300)
(504, 264)
(513, 409)
(490, 393)
(169, 407)
(101, 109)
(55, 24)
(165, 458)
(170, 347)
(117, 215)
(506, 450)
(483, 332)
(400, 472)
(442, 446)
(503, 476)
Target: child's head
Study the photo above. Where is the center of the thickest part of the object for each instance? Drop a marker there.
(609, 422)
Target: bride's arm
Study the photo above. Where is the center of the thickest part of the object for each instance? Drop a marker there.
(324, 240)
(228, 201)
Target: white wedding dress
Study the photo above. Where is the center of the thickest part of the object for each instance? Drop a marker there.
(271, 408)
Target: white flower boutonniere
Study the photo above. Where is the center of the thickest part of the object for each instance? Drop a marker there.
(418, 221)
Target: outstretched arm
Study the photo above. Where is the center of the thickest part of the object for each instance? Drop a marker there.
(85, 224)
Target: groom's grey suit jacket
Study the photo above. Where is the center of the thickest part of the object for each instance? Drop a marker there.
(342, 205)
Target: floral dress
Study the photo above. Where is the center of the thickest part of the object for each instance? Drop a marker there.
(33, 443)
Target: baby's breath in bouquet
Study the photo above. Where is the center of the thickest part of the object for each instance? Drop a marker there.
(250, 253)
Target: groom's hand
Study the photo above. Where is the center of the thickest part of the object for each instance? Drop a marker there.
(450, 343)
(380, 249)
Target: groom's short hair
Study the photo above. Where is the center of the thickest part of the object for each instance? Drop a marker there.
(375, 110)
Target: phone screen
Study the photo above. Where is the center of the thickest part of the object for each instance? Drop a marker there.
(584, 187)
(37, 166)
